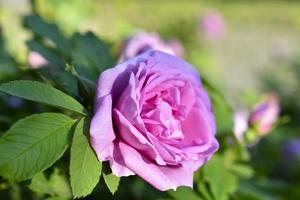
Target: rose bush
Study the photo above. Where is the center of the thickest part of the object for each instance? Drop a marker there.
(153, 118)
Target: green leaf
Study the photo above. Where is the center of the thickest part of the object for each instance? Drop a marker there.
(242, 170)
(184, 193)
(49, 54)
(90, 55)
(57, 185)
(249, 189)
(221, 181)
(47, 30)
(40, 185)
(63, 79)
(56, 198)
(41, 92)
(204, 191)
(111, 181)
(85, 169)
(222, 109)
(8, 66)
(34, 144)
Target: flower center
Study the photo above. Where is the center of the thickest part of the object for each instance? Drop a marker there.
(162, 114)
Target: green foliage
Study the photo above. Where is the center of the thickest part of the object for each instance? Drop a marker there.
(40, 185)
(49, 53)
(90, 55)
(221, 181)
(111, 181)
(8, 67)
(34, 144)
(85, 169)
(46, 30)
(251, 190)
(203, 189)
(56, 186)
(242, 170)
(74, 63)
(41, 92)
(184, 193)
(59, 185)
(222, 109)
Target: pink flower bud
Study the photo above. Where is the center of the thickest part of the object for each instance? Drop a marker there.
(265, 114)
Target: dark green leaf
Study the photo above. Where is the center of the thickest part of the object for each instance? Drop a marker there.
(34, 144)
(90, 55)
(41, 92)
(63, 79)
(8, 66)
(47, 30)
(49, 54)
(85, 169)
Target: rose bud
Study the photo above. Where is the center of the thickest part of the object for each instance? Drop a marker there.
(265, 114)
(143, 41)
(36, 60)
(153, 118)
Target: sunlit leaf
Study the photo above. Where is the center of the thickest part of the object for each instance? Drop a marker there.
(34, 144)
(221, 181)
(41, 92)
(111, 181)
(85, 169)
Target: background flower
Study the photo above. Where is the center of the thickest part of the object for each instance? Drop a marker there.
(212, 25)
(36, 60)
(240, 124)
(142, 41)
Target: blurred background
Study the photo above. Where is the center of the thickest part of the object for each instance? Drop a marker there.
(246, 49)
(247, 42)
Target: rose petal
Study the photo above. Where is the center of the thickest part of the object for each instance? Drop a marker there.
(101, 128)
(114, 80)
(136, 139)
(161, 177)
(117, 163)
(197, 127)
(169, 63)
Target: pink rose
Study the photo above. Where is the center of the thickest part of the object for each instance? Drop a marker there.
(142, 41)
(265, 114)
(153, 118)
(36, 60)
